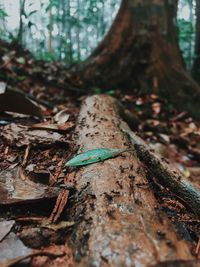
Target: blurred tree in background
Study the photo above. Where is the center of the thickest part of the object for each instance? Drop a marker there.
(68, 30)
(64, 30)
(186, 23)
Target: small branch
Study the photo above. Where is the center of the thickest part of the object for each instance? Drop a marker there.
(14, 262)
(164, 173)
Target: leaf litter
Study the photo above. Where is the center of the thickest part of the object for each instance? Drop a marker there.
(40, 143)
(33, 149)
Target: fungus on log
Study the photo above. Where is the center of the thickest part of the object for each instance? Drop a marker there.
(119, 222)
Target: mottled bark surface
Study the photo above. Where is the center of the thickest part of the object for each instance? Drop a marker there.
(196, 64)
(119, 222)
(165, 174)
(141, 53)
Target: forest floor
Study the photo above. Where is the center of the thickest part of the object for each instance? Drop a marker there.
(33, 151)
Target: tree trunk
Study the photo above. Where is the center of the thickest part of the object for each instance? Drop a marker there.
(21, 25)
(190, 44)
(196, 64)
(117, 218)
(50, 28)
(68, 34)
(141, 52)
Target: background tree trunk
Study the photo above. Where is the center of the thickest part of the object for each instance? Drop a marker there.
(141, 52)
(21, 25)
(50, 28)
(196, 64)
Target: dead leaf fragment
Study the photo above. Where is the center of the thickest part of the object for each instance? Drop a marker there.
(2, 87)
(11, 249)
(21, 60)
(22, 136)
(5, 227)
(61, 117)
(156, 108)
(14, 101)
(14, 189)
(59, 226)
(165, 138)
(54, 127)
(59, 206)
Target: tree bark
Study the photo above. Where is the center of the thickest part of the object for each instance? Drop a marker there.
(118, 220)
(166, 175)
(196, 64)
(141, 52)
(50, 29)
(21, 25)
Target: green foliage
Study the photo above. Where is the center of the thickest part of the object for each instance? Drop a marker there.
(68, 30)
(52, 3)
(97, 90)
(3, 14)
(186, 40)
(46, 56)
(32, 12)
(64, 30)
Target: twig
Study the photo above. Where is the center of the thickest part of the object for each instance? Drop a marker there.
(26, 154)
(197, 251)
(10, 263)
(59, 206)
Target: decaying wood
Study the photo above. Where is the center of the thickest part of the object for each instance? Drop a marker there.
(165, 174)
(118, 220)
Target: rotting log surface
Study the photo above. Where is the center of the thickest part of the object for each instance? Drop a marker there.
(118, 220)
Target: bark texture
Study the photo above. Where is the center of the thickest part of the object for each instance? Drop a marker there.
(140, 52)
(118, 220)
(166, 175)
(196, 64)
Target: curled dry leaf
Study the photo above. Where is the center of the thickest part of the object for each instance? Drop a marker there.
(16, 187)
(54, 127)
(5, 227)
(61, 117)
(21, 135)
(17, 102)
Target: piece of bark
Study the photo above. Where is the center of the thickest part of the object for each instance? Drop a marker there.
(118, 219)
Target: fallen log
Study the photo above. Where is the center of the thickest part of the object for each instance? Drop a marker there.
(118, 221)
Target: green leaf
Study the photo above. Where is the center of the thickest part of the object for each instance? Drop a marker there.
(95, 155)
(110, 92)
(97, 90)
